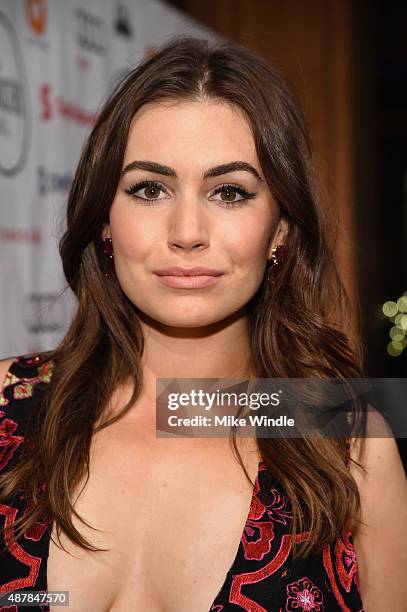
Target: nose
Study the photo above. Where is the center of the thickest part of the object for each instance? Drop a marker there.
(188, 226)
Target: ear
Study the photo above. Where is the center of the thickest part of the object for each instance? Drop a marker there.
(280, 235)
(106, 231)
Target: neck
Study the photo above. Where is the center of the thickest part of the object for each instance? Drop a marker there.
(220, 350)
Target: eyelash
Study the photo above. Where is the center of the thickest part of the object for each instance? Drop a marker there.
(242, 192)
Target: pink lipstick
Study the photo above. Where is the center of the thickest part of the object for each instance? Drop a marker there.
(188, 278)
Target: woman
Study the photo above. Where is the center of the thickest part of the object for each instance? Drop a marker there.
(199, 159)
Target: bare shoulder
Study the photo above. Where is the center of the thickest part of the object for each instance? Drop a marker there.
(378, 454)
(4, 368)
(381, 540)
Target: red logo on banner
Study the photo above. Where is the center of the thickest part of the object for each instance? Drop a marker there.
(52, 106)
(45, 102)
(36, 14)
(16, 234)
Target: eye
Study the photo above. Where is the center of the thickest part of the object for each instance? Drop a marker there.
(231, 191)
(151, 188)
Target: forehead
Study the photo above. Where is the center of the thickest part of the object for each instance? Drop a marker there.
(195, 131)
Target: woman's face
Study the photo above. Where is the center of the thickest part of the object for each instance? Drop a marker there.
(184, 219)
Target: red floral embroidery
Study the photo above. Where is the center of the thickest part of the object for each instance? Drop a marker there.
(257, 508)
(346, 564)
(24, 388)
(276, 510)
(243, 579)
(36, 531)
(304, 595)
(8, 442)
(31, 562)
(263, 533)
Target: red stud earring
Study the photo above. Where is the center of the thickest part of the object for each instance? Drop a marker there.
(108, 251)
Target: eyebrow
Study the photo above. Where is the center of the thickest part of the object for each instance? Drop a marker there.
(233, 166)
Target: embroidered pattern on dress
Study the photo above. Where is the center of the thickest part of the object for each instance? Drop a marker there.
(9, 443)
(304, 595)
(248, 579)
(257, 536)
(18, 553)
(345, 558)
(25, 387)
(22, 388)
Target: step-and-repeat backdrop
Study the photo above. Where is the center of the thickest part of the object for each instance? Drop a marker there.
(58, 61)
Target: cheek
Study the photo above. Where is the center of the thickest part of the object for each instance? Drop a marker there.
(249, 241)
(131, 235)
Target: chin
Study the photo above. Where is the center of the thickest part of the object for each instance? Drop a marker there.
(180, 319)
(190, 322)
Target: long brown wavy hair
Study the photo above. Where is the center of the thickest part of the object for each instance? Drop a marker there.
(296, 324)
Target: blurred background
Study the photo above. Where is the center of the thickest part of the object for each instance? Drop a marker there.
(347, 62)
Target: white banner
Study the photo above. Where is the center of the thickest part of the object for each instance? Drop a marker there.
(58, 60)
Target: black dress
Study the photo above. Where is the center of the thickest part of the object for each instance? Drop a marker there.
(262, 577)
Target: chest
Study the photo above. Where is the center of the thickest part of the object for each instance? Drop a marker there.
(170, 515)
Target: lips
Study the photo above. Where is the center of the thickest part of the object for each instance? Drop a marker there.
(178, 271)
(188, 278)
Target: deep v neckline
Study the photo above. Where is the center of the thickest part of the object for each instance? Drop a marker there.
(255, 489)
(236, 557)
